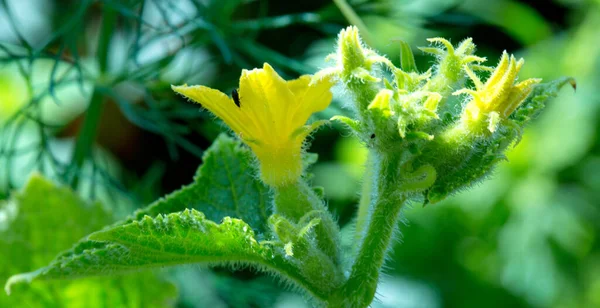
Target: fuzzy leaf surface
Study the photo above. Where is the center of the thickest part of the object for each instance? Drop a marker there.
(185, 237)
(224, 185)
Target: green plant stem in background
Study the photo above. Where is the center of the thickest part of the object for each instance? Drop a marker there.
(384, 211)
(299, 203)
(87, 135)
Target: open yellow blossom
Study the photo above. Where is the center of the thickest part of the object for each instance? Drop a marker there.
(499, 96)
(269, 115)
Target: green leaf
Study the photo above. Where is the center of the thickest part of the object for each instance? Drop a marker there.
(225, 185)
(407, 59)
(536, 101)
(43, 220)
(173, 231)
(181, 238)
(476, 166)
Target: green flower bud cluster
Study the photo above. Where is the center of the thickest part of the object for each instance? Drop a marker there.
(405, 118)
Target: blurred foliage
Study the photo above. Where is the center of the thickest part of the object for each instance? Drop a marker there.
(25, 243)
(527, 237)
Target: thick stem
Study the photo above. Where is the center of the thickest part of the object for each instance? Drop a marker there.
(386, 203)
(364, 93)
(365, 202)
(297, 201)
(87, 134)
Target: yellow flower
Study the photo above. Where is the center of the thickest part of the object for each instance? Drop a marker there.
(270, 118)
(499, 96)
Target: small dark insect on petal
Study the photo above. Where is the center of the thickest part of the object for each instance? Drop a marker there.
(372, 136)
(236, 97)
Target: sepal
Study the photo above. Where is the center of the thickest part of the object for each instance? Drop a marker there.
(354, 125)
(296, 241)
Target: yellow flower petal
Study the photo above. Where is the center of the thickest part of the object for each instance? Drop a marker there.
(271, 117)
(517, 95)
(381, 103)
(310, 97)
(499, 96)
(499, 71)
(264, 95)
(217, 102)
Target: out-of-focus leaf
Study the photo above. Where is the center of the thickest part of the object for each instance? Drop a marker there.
(530, 28)
(43, 220)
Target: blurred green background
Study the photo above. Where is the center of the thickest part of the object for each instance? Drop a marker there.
(526, 237)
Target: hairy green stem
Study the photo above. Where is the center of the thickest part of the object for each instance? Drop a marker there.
(87, 134)
(386, 203)
(365, 202)
(363, 94)
(297, 202)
